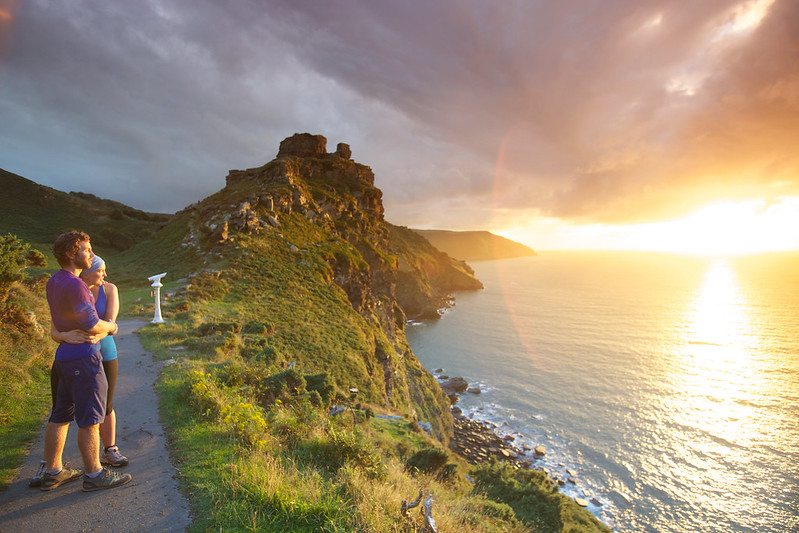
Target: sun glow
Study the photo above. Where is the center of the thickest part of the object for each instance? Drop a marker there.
(722, 228)
(725, 228)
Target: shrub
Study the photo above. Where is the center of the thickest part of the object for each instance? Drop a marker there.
(267, 356)
(215, 328)
(230, 345)
(315, 398)
(246, 422)
(205, 396)
(322, 384)
(207, 286)
(339, 448)
(256, 327)
(15, 256)
(288, 383)
(432, 461)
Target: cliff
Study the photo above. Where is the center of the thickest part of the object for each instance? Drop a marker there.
(427, 277)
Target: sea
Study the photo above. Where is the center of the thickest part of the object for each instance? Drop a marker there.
(667, 385)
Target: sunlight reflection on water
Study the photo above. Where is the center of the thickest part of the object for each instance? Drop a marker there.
(671, 384)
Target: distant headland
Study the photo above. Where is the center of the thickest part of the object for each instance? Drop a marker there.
(475, 245)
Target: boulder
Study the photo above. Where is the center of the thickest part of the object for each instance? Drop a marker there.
(455, 384)
(540, 450)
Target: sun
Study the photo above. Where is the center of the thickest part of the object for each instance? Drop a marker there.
(725, 228)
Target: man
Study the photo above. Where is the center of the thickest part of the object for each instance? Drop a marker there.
(82, 384)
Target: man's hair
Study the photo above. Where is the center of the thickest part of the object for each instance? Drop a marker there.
(68, 242)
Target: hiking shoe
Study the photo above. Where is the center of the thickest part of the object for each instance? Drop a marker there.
(49, 481)
(112, 457)
(108, 479)
(36, 480)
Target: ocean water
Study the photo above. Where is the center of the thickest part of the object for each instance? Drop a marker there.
(668, 384)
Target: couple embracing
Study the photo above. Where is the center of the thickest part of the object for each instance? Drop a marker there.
(82, 388)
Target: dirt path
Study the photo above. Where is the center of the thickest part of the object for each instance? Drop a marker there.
(151, 502)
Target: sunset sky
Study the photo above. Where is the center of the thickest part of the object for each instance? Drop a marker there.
(665, 125)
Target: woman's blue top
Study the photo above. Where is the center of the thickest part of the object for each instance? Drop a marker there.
(108, 346)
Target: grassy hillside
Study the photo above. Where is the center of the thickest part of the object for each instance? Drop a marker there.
(475, 245)
(39, 214)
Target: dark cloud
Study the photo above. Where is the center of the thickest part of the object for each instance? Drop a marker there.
(593, 111)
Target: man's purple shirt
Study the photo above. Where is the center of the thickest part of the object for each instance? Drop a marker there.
(71, 307)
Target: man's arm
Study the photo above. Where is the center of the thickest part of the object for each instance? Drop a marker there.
(75, 336)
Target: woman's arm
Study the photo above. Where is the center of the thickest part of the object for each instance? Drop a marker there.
(112, 302)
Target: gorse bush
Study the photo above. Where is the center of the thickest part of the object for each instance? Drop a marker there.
(207, 286)
(341, 447)
(205, 396)
(321, 384)
(15, 256)
(26, 353)
(432, 461)
(247, 423)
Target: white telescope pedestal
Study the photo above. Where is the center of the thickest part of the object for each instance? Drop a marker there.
(156, 280)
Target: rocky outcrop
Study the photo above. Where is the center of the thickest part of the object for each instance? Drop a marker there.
(307, 145)
(303, 145)
(452, 387)
(343, 151)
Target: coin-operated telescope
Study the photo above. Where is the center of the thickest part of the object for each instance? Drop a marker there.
(156, 284)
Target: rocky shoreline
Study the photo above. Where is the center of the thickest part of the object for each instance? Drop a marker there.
(477, 442)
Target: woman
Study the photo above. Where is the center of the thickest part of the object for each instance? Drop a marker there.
(106, 302)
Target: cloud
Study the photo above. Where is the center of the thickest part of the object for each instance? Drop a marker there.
(591, 111)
